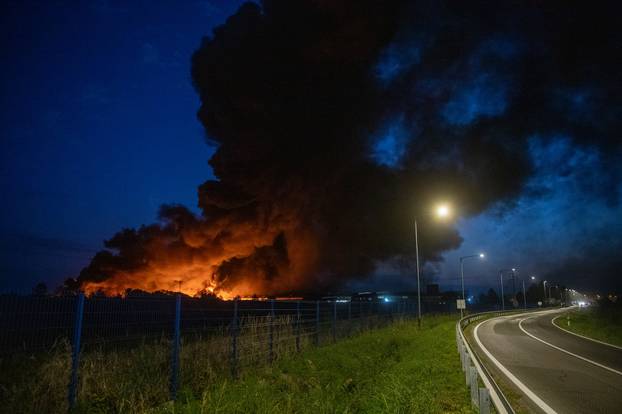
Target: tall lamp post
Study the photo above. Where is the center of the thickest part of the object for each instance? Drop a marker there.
(462, 259)
(544, 287)
(442, 211)
(502, 294)
(514, 271)
(502, 297)
(501, 279)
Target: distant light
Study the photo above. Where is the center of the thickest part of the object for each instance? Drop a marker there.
(442, 210)
(386, 299)
(513, 269)
(533, 278)
(482, 255)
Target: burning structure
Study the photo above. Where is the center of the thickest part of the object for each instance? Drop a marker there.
(336, 123)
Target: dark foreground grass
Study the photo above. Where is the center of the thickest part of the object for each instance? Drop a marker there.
(602, 322)
(397, 369)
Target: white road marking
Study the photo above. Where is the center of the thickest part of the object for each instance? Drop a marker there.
(520, 325)
(499, 406)
(581, 336)
(532, 396)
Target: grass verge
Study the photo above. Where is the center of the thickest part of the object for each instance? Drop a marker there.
(603, 323)
(396, 369)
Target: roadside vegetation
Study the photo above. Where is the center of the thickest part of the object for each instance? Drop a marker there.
(601, 321)
(396, 369)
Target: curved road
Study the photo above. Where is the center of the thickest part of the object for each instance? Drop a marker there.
(551, 370)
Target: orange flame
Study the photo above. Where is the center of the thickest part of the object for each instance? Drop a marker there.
(192, 269)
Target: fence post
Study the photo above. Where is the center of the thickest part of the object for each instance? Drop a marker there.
(75, 354)
(350, 310)
(271, 337)
(298, 326)
(234, 341)
(317, 322)
(335, 321)
(175, 354)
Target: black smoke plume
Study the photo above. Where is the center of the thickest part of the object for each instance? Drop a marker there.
(339, 122)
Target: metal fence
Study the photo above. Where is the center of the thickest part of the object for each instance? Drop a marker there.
(188, 339)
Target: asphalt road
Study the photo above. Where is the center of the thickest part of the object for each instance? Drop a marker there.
(545, 378)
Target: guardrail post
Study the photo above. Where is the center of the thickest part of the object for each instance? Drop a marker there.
(335, 321)
(75, 353)
(175, 353)
(234, 341)
(484, 401)
(271, 337)
(474, 386)
(317, 322)
(298, 326)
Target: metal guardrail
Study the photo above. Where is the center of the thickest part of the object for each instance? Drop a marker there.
(475, 370)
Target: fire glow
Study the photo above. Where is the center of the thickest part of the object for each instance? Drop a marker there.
(197, 256)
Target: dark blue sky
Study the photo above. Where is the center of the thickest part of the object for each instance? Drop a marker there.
(99, 129)
(99, 125)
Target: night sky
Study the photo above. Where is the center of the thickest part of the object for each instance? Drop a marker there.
(99, 124)
(100, 128)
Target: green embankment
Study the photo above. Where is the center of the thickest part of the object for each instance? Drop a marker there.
(601, 323)
(397, 369)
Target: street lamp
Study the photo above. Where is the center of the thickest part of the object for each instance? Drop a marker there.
(442, 211)
(544, 287)
(502, 297)
(462, 259)
(514, 271)
(501, 279)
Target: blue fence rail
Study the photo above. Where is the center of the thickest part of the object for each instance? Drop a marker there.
(240, 333)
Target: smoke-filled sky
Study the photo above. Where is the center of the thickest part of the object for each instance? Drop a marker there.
(329, 127)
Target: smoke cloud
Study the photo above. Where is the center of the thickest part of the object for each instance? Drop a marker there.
(338, 123)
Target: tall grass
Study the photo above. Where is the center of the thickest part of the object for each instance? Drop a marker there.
(134, 377)
(397, 369)
(602, 321)
(35, 383)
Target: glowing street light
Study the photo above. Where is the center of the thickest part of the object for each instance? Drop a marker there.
(442, 211)
(462, 259)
